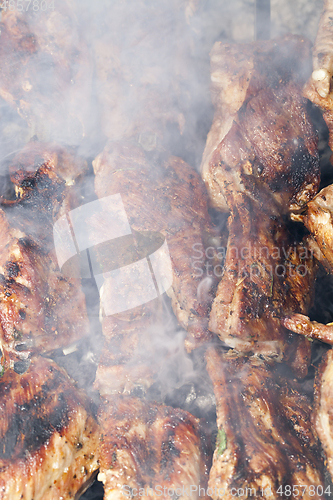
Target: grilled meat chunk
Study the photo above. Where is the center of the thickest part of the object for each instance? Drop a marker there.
(149, 450)
(322, 417)
(261, 124)
(318, 220)
(265, 439)
(266, 274)
(46, 71)
(41, 308)
(261, 160)
(48, 435)
(319, 86)
(168, 200)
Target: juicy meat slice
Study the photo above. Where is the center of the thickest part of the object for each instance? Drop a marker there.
(41, 308)
(168, 200)
(261, 121)
(318, 220)
(261, 161)
(148, 449)
(46, 71)
(322, 417)
(319, 86)
(48, 435)
(265, 275)
(265, 439)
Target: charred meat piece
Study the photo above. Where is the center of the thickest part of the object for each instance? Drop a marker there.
(41, 308)
(44, 177)
(265, 443)
(319, 86)
(261, 123)
(48, 435)
(149, 450)
(47, 71)
(261, 161)
(266, 274)
(318, 220)
(323, 406)
(168, 200)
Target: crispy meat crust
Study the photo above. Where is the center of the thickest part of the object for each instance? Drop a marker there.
(322, 416)
(48, 435)
(41, 308)
(266, 425)
(169, 200)
(144, 445)
(268, 142)
(318, 88)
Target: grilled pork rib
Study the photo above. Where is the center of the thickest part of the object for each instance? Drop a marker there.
(149, 451)
(261, 161)
(261, 124)
(265, 440)
(41, 308)
(167, 203)
(322, 417)
(265, 275)
(318, 220)
(48, 435)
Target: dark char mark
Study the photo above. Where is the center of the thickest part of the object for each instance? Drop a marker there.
(32, 425)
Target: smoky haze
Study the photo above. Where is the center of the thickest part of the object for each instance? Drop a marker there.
(88, 72)
(92, 71)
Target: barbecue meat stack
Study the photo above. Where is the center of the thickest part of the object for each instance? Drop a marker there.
(265, 438)
(173, 214)
(260, 166)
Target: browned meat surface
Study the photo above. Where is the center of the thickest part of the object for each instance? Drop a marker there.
(147, 449)
(41, 308)
(46, 71)
(319, 86)
(48, 435)
(261, 160)
(167, 201)
(265, 439)
(265, 275)
(323, 418)
(261, 125)
(318, 220)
